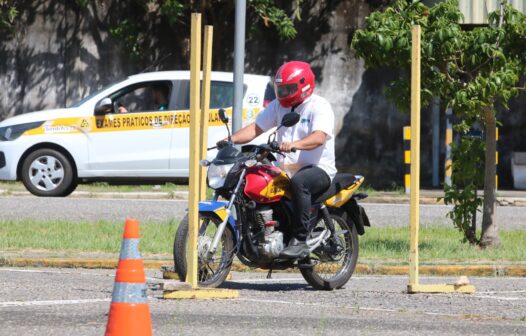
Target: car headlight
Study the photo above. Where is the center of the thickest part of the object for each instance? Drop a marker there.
(13, 132)
(217, 175)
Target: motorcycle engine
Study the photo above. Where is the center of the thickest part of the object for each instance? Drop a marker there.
(270, 242)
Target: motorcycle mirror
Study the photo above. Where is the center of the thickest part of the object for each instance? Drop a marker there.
(104, 106)
(290, 119)
(223, 116)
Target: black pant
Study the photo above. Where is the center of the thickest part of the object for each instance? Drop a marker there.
(308, 181)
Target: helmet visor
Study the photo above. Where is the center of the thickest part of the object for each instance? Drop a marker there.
(283, 91)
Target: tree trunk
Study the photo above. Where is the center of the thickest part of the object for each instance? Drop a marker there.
(490, 235)
(471, 234)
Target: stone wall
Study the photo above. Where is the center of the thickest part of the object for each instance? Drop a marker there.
(63, 52)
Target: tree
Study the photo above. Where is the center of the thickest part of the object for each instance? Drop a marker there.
(8, 14)
(134, 30)
(472, 71)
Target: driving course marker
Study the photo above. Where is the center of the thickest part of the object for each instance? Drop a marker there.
(414, 209)
(197, 142)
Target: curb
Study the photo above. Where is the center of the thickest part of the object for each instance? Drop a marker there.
(183, 195)
(368, 269)
(177, 195)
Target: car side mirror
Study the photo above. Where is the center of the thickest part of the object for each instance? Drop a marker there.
(223, 116)
(290, 119)
(104, 106)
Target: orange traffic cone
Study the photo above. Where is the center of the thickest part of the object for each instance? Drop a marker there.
(129, 311)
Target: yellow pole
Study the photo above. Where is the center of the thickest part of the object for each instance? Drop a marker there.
(205, 105)
(462, 285)
(415, 155)
(195, 116)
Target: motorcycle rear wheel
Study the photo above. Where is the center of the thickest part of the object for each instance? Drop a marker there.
(317, 277)
(210, 274)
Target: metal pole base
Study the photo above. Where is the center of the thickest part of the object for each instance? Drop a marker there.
(200, 293)
(440, 288)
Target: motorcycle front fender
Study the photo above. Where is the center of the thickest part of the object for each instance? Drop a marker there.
(218, 208)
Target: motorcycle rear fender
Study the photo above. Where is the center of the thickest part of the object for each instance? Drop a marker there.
(357, 213)
(218, 208)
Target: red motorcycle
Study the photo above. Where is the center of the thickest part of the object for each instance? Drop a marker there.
(253, 219)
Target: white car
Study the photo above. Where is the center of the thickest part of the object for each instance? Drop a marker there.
(52, 151)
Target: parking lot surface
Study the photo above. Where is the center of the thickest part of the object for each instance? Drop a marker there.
(94, 209)
(76, 302)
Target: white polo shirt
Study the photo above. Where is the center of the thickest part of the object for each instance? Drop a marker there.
(315, 115)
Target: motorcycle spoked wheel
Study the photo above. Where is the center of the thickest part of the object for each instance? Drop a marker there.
(333, 271)
(211, 273)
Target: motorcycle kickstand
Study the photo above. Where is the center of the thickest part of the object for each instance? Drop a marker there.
(269, 274)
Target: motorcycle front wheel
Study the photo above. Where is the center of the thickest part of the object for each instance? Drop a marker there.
(212, 271)
(334, 264)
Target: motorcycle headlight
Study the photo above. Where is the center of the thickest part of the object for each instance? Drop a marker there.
(13, 132)
(217, 175)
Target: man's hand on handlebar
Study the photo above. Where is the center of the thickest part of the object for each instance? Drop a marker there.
(221, 143)
(287, 147)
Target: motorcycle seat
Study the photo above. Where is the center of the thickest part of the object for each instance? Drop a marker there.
(341, 181)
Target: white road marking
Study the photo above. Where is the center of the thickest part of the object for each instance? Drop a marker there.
(51, 272)
(49, 302)
(135, 199)
(503, 298)
(365, 204)
(502, 292)
(66, 272)
(78, 199)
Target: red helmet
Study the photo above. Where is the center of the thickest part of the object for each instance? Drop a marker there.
(294, 83)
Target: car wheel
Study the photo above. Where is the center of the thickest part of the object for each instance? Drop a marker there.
(48, 173)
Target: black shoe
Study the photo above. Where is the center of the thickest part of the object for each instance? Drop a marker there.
(295, 249)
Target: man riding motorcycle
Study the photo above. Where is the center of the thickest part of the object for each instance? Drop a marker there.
(308, 146)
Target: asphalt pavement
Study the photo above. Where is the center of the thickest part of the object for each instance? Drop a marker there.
(93, 209)
(76, 302)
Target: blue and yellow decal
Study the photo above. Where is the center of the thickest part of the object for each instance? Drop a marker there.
(218, 208)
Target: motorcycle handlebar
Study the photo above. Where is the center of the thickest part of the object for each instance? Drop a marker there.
(275, 146)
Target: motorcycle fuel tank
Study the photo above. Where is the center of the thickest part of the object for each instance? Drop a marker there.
(266, 184)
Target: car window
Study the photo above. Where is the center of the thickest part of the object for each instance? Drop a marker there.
(221, 94)
(270, 94)
(143, 97)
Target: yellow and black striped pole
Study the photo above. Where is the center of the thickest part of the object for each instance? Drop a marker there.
(448, 170)
(497, 159)
(407, 158)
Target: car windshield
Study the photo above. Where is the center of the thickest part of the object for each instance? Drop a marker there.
(85, 99)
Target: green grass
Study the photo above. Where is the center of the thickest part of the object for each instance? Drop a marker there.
(101, 236)
(106, 187)
(395, 190)
(437, 244)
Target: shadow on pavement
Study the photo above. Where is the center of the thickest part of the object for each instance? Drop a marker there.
(269, 287)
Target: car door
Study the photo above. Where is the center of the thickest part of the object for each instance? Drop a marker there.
(221, 96)
(134, 138)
